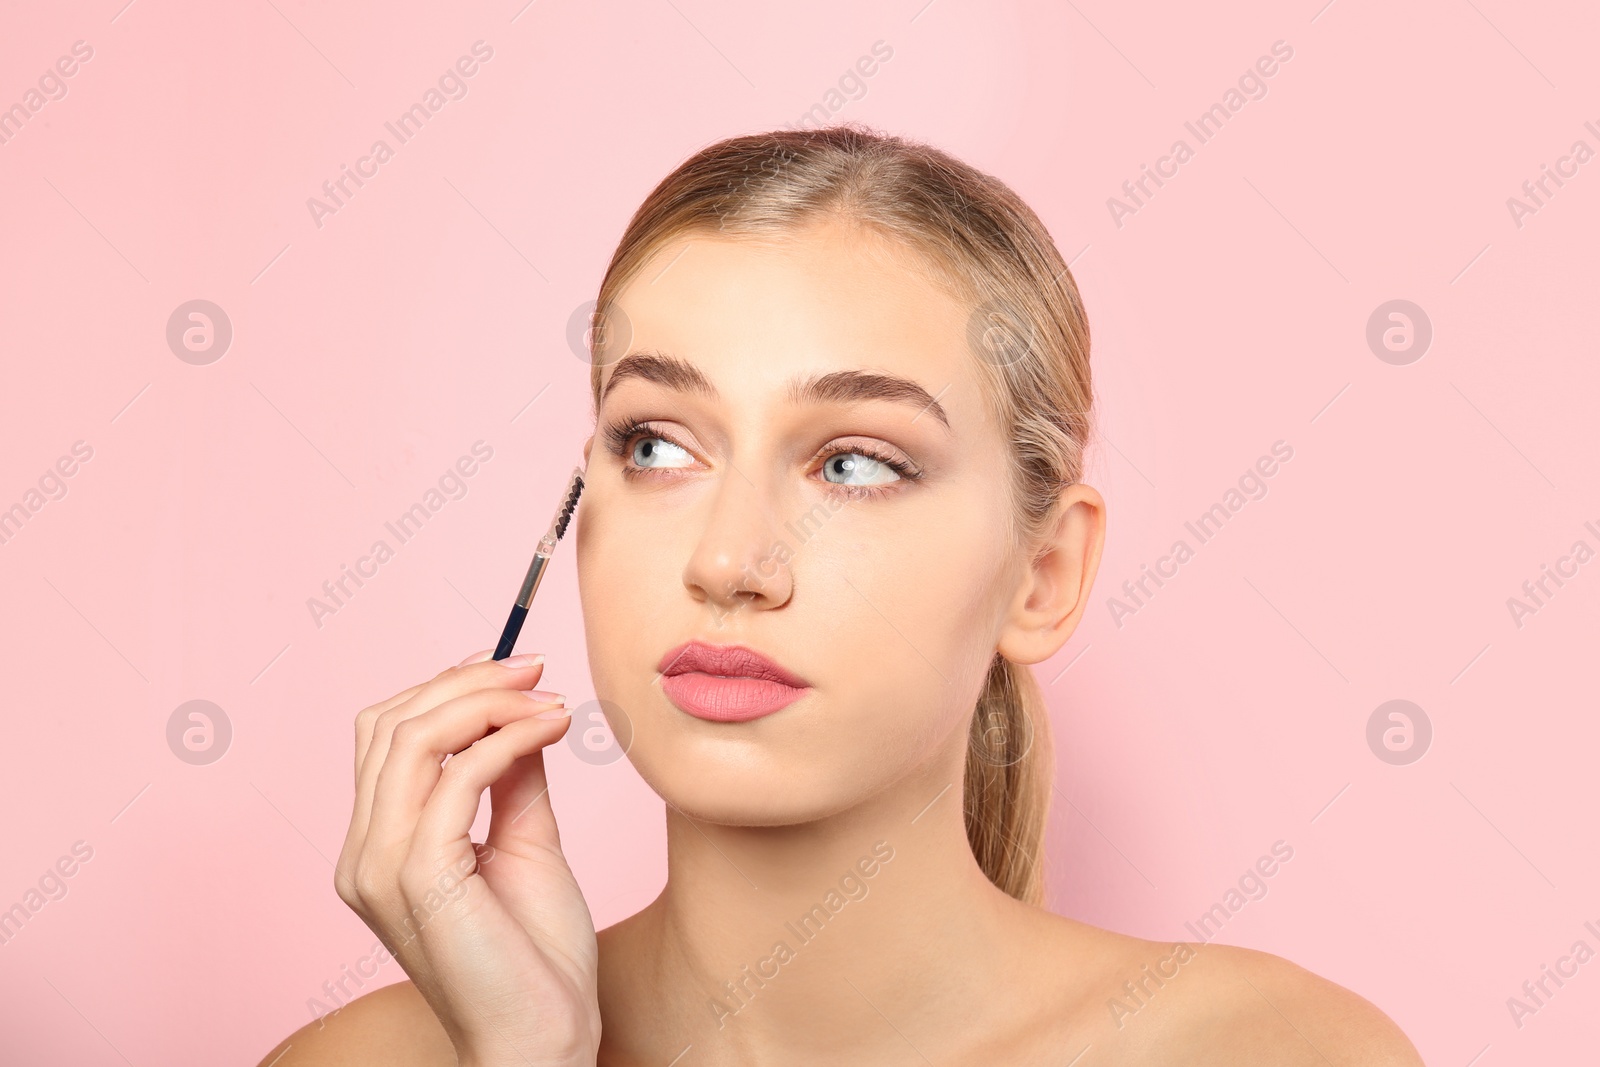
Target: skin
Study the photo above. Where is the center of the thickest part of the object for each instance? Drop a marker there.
(891, 609)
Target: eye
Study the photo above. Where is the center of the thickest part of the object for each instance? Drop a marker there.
(857, 473)
(649, 452)
(642, 449)
(857, 468)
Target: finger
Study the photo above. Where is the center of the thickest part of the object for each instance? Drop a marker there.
(418, 748)
(369, 715)
(355, 834)
(443, 828)
(519, 805)
(367, 718)
(517, 672)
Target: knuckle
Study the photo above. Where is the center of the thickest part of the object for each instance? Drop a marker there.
(386, 720)
(408, 734)
(370, 883)
(345, 886)
(458, 767)
(340, 878)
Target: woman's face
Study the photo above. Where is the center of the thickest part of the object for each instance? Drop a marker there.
(744, 512)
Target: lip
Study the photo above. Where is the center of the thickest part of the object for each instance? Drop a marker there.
(727, 683)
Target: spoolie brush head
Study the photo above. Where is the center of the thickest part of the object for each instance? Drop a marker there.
(569, 503)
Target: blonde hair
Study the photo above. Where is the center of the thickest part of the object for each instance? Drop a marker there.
(1030, 339)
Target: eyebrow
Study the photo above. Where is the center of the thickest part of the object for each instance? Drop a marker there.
(833, 387)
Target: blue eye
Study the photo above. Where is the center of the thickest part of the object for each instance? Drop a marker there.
(857, 468)
(648, 451)
(859, 473)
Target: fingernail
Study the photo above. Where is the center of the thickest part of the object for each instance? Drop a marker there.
(526, 659)
(477, 657)
(554, 713)
(545, 698)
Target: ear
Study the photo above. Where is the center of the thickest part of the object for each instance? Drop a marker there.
(1054, 593)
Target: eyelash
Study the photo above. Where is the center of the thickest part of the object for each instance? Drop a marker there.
(620, 437)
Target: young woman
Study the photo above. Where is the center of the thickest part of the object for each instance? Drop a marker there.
(832, 513)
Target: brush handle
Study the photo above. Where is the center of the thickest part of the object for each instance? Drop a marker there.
(508, 637)
(519, 610)
(541, 557)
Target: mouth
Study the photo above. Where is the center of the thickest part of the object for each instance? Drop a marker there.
(727, 683)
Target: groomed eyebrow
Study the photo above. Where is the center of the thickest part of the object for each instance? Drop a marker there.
(833, 387)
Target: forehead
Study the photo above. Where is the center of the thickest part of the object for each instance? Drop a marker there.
(752, 313)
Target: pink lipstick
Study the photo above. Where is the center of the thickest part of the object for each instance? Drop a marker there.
(727, 683)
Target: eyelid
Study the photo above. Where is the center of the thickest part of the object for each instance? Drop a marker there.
(636, 428)
(875, 448)
(623, 432)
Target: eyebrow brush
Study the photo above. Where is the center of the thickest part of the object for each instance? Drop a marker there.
(541, 558)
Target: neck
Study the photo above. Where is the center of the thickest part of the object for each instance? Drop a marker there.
(799, 943)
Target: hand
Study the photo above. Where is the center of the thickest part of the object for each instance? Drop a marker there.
(497, 937)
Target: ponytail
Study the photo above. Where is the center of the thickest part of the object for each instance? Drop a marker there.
(1010, 766)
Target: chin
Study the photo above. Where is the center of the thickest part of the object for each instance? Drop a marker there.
(729, 797)
(756, 773)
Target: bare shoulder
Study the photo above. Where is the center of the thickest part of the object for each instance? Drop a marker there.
(1204, 1004)
(392, 1027)
(1278, 1011)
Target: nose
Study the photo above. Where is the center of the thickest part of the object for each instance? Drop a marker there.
(739, 563)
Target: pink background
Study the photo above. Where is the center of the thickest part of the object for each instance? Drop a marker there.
(369, 353)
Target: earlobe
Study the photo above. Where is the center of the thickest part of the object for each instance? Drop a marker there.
(1054, 594)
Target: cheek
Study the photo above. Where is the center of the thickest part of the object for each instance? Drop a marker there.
(629, 576)
(627, 536)
(928, 592)
(911, 621)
